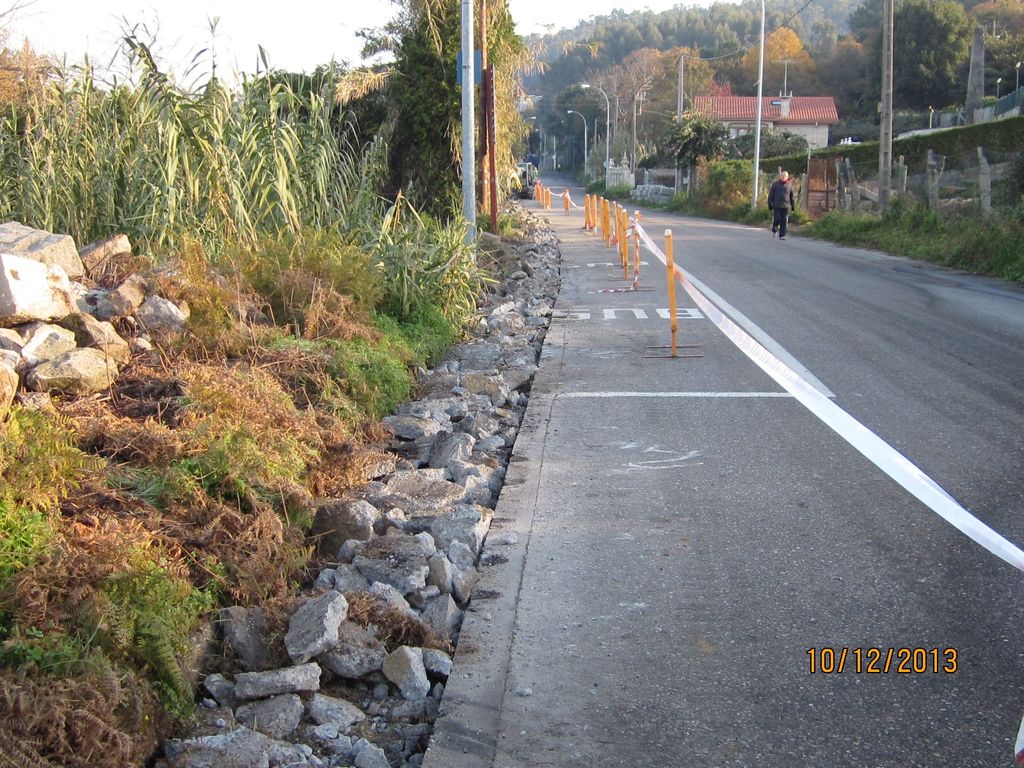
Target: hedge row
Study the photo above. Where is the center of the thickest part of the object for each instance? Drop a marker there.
(999, 135)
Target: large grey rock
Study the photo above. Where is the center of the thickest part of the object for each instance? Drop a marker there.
(461, 555)
(344, 578)
(78, 372)
(518, 377)
(404, 667)
(357, 653)
(130, 295)
(239, 748)
(492, 385)
(313, 628)
(440, 574)
(44, 341)
(245, 634)
(276, 717)
(335, 521)
(479, 355)
(95, 255)
(32, 291)
(159, 314)
(369, 755)
(426, 488)
(42, 247)
(222, 689)
(437, 663)
(442, 615)
(456, 446)
(465, 523)
(260, 685)
(463, 582)
(8, 388)
(11, 341)
(90, 332)
(324, 710)
(411, 427)
(392, 597)
(395, 560)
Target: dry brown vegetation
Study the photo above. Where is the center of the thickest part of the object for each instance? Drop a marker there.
(190, 483)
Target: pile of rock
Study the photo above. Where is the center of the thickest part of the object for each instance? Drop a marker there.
(412, 539)
(56, 328)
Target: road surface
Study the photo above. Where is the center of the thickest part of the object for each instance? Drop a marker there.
(691, 536)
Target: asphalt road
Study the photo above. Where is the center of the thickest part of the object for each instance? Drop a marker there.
(679, 555)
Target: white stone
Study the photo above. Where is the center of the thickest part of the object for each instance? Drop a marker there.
(43, 341)
(32, 291)
(437, 663)
(42, 247)
(78, 372)
(260, 685)
(325, 710)
(159, 314)
(90, 332)
(313, 628)
(404, 667)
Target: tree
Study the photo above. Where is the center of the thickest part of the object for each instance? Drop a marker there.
(931, 40)
(424, 120)
(773, 144)
(696, 137)
(782, 45)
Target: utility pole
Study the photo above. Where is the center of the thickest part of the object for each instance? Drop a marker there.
(468, 124)
(885, 140)
(757, 129)
(488, 174)
(679, 116)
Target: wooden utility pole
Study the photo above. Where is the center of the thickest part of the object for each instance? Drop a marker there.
(488, 175)
(885, 140)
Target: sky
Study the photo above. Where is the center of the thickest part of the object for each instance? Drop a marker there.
(297, 35)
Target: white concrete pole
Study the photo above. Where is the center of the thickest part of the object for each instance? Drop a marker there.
(468, 123)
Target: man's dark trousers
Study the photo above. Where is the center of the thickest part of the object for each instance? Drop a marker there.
(780, 220)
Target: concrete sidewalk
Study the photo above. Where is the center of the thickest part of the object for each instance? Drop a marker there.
(570, 653)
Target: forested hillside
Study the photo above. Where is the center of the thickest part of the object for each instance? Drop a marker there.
(820, 47)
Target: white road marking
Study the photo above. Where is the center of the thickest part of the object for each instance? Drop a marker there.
(763, 338)
(612, 395)
(682, 313)
(871, 446)
(639, 314)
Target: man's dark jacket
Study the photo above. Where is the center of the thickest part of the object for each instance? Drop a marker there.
(780, 195)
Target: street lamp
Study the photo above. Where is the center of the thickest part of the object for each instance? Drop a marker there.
(998, 81)
(585, 144)
(608, 122)
(543, 138)
(636, 96)
(1016, 86)
(757, 129)
(931, 112)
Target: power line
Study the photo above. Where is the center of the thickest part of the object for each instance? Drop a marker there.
(747, 47)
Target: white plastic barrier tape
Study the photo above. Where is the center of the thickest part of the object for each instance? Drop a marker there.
(876, 450)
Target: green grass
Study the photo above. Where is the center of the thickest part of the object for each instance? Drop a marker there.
(985, 245)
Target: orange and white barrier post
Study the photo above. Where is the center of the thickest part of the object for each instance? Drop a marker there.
(671, 266)
(624, 241)
(606, 220)
(636, 250)
(566, 201)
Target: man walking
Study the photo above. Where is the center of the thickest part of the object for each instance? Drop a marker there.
(780, 203)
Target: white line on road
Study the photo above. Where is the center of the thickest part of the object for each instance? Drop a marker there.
(871, 446)
(611, 395)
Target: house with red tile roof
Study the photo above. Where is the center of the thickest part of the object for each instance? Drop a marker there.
(807, 116)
